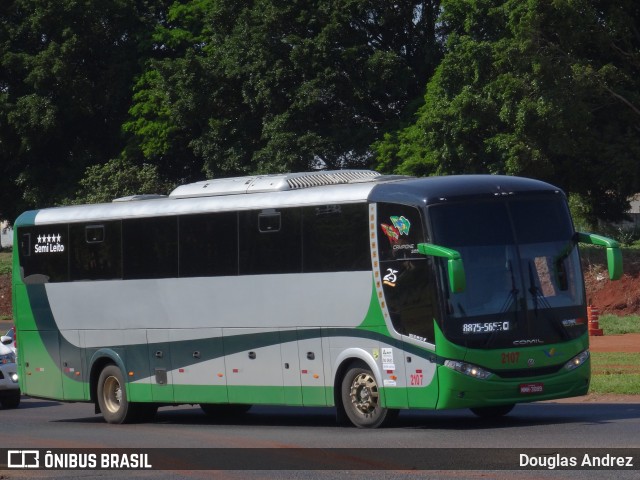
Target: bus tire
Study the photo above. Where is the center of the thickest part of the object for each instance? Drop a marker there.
(492, 412)
(11, 400)
(112, 398)
(361, 398)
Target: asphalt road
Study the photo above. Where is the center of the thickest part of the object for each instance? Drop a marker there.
(529, 429)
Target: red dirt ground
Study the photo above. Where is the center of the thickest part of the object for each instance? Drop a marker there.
(5, 295)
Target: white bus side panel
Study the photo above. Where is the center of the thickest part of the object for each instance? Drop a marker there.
(339, 299)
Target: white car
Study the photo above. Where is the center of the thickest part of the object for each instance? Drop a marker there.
(9, 339)
(9, 388)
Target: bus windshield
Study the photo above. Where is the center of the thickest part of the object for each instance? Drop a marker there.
(524, 282)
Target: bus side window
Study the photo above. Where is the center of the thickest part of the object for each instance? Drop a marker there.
(96, 251)
(336, 238)
(407, 276)
(209, 244)
(150, 247)
(270, 241)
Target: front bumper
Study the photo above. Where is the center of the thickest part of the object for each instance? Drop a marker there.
(461, 391)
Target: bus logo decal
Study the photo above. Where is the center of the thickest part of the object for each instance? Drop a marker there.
(552, 352)
(402, 224)
(391, 277)
(391, 232)
(49, 243)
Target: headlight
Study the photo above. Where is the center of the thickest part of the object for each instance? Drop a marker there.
(468, 369)
(8, 358)
(578, 360)
(14, 377)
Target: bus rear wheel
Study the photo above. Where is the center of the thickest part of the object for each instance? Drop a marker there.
(113, 402)
(361, 398)
(492, 412)
(11, 400)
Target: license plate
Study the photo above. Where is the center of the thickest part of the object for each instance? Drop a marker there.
(529, 388)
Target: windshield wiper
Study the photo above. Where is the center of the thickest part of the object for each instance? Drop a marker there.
(535, 292)
(512, 299)
(512, 296)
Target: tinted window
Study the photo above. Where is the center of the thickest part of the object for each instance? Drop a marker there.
(270, 241)
(96, 251)
(209, 245)
(543, 220)
(479, 224)
(399, 232)
(408, 279)
(336, 238)
(44, 253)
(150, 247)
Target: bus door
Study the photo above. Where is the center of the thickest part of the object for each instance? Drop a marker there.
(159, 348)
(410, 291)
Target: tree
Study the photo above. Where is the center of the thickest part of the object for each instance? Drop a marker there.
(66, 73)
(118, 178)
(549, 90)
(274, 85)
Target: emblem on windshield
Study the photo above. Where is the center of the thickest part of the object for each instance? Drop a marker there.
(391, 277)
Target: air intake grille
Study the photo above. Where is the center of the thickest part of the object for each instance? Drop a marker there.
(319, 179)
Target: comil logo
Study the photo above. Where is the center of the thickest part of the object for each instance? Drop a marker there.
(23, 459)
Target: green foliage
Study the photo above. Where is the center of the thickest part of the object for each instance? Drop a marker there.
(118, 178)
(66, 71)
(548, 90)
(226, 87)
(271, 86)
(581, 213)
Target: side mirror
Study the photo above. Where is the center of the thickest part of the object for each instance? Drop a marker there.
(5, 340)
(614, 255)
(455, 267)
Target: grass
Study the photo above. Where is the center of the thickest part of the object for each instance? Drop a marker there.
(614, 325)
(617, 373)
(5, 262)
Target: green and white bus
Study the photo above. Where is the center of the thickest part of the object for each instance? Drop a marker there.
(351, 289)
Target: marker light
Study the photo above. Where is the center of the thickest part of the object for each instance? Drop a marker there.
(468, 369)
(578, 360)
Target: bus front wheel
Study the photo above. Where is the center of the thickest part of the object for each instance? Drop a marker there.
(113, 402)
(361, 398)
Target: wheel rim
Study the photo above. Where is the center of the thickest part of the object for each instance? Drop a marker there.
(112, 394)
(364, 393)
